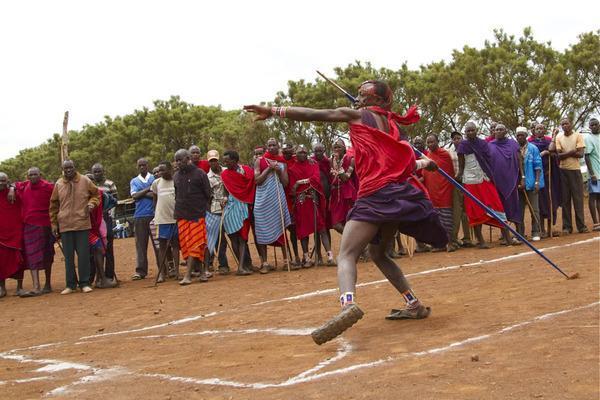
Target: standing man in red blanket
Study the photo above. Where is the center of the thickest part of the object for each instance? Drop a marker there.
(11, 238)
(386, 201)
(309, 204)
(440, 190)
(38, 240)
(196, 155)
(239, 184)
(343, 185)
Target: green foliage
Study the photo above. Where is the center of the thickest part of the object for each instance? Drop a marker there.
(511, 80)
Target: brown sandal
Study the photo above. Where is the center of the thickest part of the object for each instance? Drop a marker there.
(417, 313)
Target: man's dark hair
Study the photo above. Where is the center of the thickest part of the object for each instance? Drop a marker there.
(165, 163)
(455, 133)
(232, 154)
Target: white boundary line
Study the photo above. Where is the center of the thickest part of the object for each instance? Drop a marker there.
(308, 377)
(102, 374)
(322, 292)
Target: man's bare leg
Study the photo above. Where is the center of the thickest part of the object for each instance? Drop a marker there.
(163, 246)
(35, 279)
(20, 290)
(262, 253)
(187, 279)
(326, 240)
(379, 253)
(356, 236)
(47, 284)
(479, 235)
(294, 240)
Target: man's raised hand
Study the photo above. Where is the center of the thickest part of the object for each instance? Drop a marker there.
(261, 112)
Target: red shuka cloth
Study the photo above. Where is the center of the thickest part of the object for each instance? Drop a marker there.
(304, 212)
(277, 157)
(96, 223)
(11, 236)
(203, 165)
(440, 190)
(380, 159)
(35, 201)
(343, 194)
(486, 193)
(240, 186)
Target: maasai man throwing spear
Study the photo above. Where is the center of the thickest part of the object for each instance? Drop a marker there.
(386, 199)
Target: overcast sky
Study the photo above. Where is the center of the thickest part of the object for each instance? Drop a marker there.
(97, 58)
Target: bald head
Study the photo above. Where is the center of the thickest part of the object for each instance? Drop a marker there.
(287, 150)
(68, 168)
(98, 173)
(301, 153)
(471, 130)
(194, 153)
(142, 166)
(182, 158)
(500, 132)
(319, 151)
(3, 180)
(34, 175)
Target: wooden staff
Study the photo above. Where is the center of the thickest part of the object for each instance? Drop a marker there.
(286, 249)
(64, 145)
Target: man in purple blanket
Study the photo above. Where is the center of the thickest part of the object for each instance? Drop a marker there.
(507, 173)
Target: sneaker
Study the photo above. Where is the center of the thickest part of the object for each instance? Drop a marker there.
(67, 291)
(337, 325)
(584, 230)
(536, 238)
(86, 289)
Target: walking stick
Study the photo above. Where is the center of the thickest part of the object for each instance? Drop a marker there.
(484, 207)
(316, 236)
(163, 263)
(530, 207)
(551, 211)
(286, 249)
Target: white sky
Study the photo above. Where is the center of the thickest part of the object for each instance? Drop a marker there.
(97, 58)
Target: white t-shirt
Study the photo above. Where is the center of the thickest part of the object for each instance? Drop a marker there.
(165, 201)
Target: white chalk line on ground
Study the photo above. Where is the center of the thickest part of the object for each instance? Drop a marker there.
(102, 374)
(94, 374)
(302, 296)
(99, 374)
(312, 375)
(334, 290)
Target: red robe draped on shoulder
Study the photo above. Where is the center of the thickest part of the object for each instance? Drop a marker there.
(303, 208)
(243, 188)
(11, 237)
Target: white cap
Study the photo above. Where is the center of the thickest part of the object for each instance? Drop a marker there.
(521, 129)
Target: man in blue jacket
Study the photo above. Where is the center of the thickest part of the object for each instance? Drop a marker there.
(533, 182)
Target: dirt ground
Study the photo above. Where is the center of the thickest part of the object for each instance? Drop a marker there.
(504, 325)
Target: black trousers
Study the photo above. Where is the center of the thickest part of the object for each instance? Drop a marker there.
(142, 235)
(571, 184)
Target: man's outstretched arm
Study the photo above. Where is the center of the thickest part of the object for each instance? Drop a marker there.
(343, 114)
